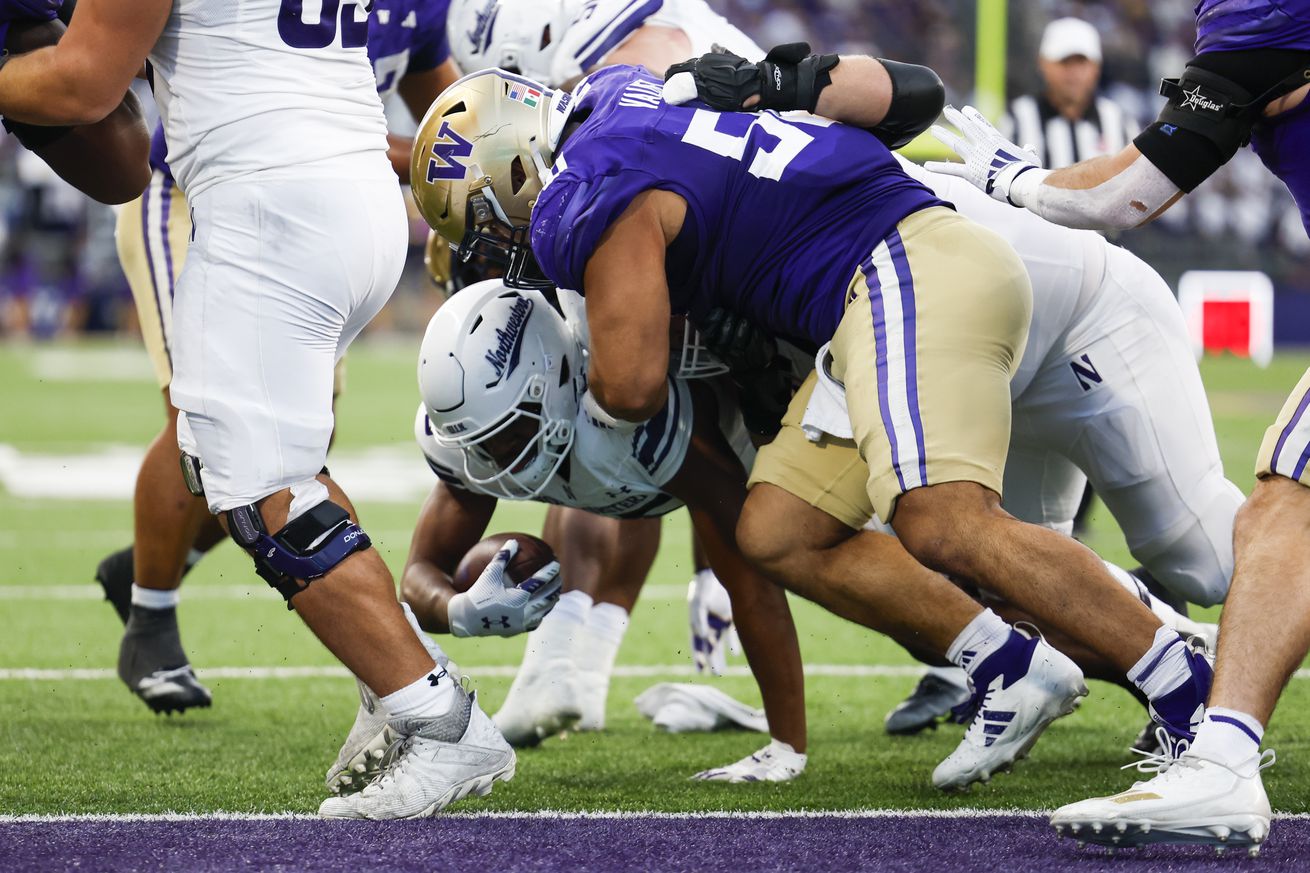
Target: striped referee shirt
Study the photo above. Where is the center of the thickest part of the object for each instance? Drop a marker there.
(1103, 130)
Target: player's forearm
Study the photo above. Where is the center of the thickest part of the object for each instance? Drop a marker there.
(108, 161)
(1114, 192)
(55, 87)
(428, 589)
(896, 101)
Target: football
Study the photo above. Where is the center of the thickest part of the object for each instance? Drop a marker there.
(533, 554)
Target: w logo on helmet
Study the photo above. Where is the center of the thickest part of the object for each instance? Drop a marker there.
(448, 146)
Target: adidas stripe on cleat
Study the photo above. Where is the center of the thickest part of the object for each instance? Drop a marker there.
(1019, 690)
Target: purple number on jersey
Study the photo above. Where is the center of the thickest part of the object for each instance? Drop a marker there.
(298, 33)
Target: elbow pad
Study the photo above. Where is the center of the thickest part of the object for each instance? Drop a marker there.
(918, 97)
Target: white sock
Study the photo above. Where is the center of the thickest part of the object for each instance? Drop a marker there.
(428, 696)
(594, 650)
(554, 637)
(154, 598)
(980, 637)
(1137, 588)
(1230, 737)
(1164, 666)
(598, 643)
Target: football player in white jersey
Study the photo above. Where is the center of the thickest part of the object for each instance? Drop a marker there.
(523, 434)
(557, 42)
(407, 47)
(1108, 390)
(277, 135)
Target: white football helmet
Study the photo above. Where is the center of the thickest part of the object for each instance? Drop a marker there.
(502, 377)
(519, 36)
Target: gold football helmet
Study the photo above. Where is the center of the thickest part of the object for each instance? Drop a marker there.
(481, 156)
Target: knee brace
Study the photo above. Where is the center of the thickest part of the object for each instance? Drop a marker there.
(306, 549)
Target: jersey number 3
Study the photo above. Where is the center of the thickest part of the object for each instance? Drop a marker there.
(299, 33)
(768, 163)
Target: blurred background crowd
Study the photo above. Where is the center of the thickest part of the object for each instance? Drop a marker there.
(59, 271)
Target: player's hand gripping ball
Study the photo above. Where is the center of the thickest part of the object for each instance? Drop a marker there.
(507, 584)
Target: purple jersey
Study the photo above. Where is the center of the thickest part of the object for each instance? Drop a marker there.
(1237, 25)
(1243, 25)
(404, 36)
(780, 211)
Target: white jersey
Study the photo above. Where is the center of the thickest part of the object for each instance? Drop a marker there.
(705, 28)
(601, 26)
(1065, 266)
(606, 472)
(266, 86)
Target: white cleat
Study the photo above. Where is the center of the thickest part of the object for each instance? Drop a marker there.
(1009, 720)
(435, 763)
(360, 758)
(776, 762)
(1191, 800)
(541, 703)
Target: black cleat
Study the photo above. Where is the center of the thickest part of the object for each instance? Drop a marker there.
(932, 698)
(114, 574)
(153, 666)
(1148, 742)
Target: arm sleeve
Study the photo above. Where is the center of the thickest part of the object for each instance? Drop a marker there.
(600, 28)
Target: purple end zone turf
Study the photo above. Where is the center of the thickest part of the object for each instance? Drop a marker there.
(1013, 844)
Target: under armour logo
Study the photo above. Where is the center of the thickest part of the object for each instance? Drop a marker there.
(434, 679)
(1194, 99)
(1085, 374)
(503, 622)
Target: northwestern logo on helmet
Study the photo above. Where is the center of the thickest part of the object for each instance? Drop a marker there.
(448, 147)
(509, 341)
(480, 35)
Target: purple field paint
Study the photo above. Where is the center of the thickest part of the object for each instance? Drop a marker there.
(1014, 844)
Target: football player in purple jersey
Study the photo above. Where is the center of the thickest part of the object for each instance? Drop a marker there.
(411, 59)
(105, 160)
(648, 208)
(1246, 84)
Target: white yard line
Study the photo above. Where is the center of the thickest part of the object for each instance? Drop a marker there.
(256, 589)
(547, 814)
(624, 671)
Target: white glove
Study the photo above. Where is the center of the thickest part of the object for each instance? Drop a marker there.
(709, 610)
(493, 608)
(991, 162)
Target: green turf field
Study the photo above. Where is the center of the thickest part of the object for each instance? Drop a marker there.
(70, 744)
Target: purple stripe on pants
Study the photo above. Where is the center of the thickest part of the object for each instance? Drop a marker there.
(1287, 432)
(909, 326)
(880, 359)
(150, 259)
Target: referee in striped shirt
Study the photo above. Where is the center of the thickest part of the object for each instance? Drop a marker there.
(1069, 122)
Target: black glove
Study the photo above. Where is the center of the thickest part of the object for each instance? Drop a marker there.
(736, 340)
(763, 378)
(788, 78)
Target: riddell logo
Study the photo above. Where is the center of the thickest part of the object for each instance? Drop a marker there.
(509, 341)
